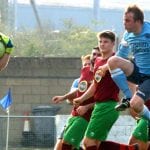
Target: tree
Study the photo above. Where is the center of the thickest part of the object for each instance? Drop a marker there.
(72, 41)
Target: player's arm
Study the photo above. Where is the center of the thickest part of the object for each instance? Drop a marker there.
(83, 109)
(123, 48)
(6, 57)
(102, 70)
(88, 94)
(89, 106)
(69, 95)
(4, 61)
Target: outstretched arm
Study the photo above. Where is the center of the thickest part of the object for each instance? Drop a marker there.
(83, 109)
(69, 95)
(89, 93)
(4, 61)
(102, 70)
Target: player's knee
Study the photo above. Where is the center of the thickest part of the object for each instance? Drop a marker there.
(85, 143)
(66, 146)
(88, 142)
(137, 104)
(113, 61)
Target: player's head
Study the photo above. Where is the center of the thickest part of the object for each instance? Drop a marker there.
(86, 60)
(133, 18)
(94, 54)
(106, 41)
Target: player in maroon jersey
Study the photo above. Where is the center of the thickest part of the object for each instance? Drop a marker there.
(105, 93)
(80, 115)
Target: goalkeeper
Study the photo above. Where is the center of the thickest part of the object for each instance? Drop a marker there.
(8, 47)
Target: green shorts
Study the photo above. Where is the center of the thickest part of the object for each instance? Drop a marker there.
(74, 131)
(149, 131)
(103, 117)
(141, 130)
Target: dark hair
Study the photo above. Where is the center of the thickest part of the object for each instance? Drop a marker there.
(106, 34)
(137, 12)
(96, 48)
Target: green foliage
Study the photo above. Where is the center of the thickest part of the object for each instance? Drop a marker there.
(72, 41)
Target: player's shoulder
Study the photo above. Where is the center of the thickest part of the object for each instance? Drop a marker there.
(126, 35)
(75, 82)
(146, 27)
(146, 23)
(98, 59)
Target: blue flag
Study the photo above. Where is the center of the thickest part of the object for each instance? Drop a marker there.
(6, 101)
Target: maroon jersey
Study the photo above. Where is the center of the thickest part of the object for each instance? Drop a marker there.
(106, 88)
(85, 81)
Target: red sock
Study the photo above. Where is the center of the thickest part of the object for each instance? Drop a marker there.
(106, 145)
(126, 147)
(79, 148)
(91, 148)
(66, 147)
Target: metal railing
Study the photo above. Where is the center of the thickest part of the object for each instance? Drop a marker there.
(27, 132)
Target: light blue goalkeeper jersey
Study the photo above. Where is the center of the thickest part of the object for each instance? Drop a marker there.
(139, 46)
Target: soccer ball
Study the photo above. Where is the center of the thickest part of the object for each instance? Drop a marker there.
(2, 49)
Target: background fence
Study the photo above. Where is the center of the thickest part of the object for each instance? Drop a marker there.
(34, 81)
(40, 132)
